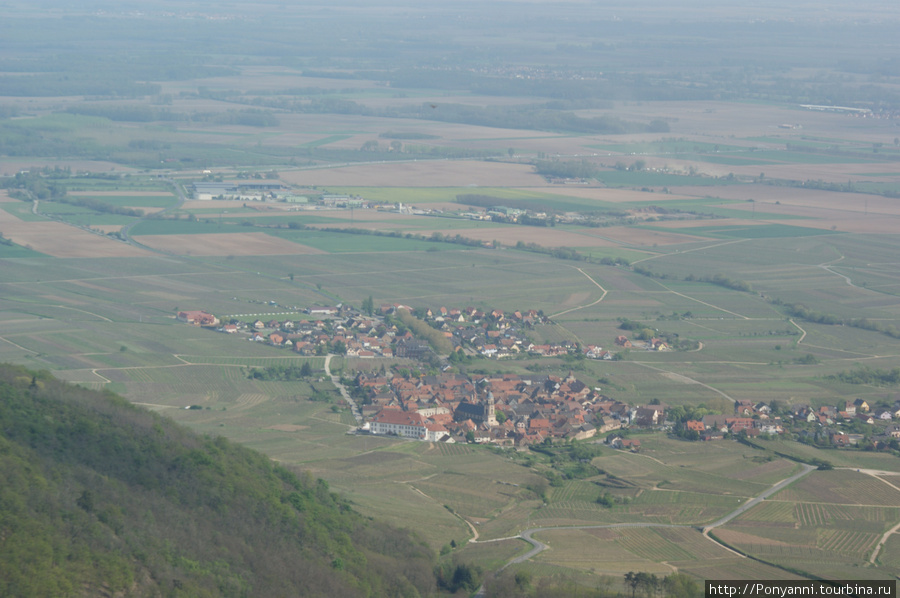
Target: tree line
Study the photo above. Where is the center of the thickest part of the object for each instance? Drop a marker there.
(867, 375)
(282, 373)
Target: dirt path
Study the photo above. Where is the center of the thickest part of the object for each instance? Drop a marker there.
(653, 257)
(807, 469)
(881, 542)
(596, 284)
(6, 340)
(105, 379)
(877, 473)
(827, 267)
(687, 378)
(802, 332)
(722, 309)
(474, 538)
(538, 546)
(84, 311)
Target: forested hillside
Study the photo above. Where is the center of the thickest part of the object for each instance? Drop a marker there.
(101, 498)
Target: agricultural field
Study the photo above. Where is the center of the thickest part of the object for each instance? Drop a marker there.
(617, 550)
(772, 252)
(110, 326)
(828, 519)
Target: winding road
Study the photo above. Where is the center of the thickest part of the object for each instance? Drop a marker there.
(538, 546)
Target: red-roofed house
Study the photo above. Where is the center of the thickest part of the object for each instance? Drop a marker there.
(197, 318)
(695, 426)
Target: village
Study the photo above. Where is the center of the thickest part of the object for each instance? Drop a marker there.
(345, 330)
(515, 410)
(519, 410)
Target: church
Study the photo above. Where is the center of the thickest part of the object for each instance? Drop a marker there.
(479, 413)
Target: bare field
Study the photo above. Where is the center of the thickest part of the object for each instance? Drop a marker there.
(861, 224)
(633, 236)
(4, 197)
(510, 235)
(287, 428)
(834, 219)
(61, 240)
(549, 237)
(832, 173)
(228, 204)
(264, 78)
(605, 194)
(420, 174)
(701, 119)
(792, 196)
(122, 193)
(723, 222)
(10, 167)
(225, 244)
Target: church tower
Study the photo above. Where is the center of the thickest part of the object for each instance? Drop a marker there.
(490, 415)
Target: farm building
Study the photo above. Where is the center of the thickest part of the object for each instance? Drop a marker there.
(197, 318)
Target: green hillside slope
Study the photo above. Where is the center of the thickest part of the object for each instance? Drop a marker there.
(100, 498)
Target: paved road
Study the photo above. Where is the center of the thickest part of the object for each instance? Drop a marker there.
(344, 392)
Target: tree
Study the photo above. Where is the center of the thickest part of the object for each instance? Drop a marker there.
(368, 306)
(679, 585)
(523, 580)
(631, 580)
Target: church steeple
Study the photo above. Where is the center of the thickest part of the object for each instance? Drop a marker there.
(490, 415)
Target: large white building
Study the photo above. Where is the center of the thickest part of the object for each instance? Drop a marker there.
(408, 424)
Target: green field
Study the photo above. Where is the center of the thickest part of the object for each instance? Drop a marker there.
(108, 323)
(759, 239)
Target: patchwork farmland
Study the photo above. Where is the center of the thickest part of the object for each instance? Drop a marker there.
(775, 284)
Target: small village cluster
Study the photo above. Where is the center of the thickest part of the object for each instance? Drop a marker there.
(490, 334)
(755, 419)
(827, 418)
(515, 410)
(506, 410)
